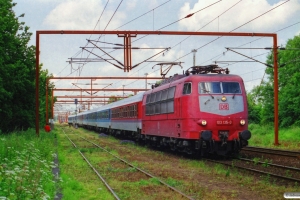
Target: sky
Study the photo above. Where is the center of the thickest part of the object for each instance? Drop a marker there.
(254, 16)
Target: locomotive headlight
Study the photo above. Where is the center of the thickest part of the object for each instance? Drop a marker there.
(223, 98)
(201, 122)
(242, 122)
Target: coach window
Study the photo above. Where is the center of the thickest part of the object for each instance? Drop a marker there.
(152, 109)
(164, 94)
(125, 112)
(170, 102)
(187, 88)
(116, 113)
(153, 97)
(158, 96)
(163, 104)
(134, 111)
(148, 98)
(128, 111)
(157, 103)
(157, 108)
(171, 92)
(148, 105)
(152, 105)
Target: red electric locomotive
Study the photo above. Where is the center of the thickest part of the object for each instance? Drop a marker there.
(197, 112)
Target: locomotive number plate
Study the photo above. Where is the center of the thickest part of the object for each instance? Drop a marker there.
(224, 122)
(223, 132)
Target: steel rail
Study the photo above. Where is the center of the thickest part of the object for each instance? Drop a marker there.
(271, 164)
(148, 174)
(272, 151)
(279, 150)
(257, 171)
(102, 179)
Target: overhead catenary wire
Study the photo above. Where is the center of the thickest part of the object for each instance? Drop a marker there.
(129, 21)
(251, 21)
(137, 72)
(179, 43)
(143, 15)
(230, 31)
(187, 16)
(238, 27)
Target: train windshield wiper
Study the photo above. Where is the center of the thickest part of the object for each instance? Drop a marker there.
(208, 92)
(235, 91)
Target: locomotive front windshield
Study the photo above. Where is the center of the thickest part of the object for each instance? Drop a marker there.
(219, 88)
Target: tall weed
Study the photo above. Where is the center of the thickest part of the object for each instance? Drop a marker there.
(26, 163)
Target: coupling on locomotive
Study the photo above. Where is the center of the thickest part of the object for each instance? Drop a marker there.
(200, 112)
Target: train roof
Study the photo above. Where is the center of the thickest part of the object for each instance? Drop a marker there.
(174, 80)
(129, 100)
(133, 99)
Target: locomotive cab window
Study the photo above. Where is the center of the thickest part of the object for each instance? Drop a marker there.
(219, 88)
(231, 87)
(187, 88)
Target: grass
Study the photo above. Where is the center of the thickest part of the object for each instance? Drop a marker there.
(289, 138)
(26, 163)
(78, 180)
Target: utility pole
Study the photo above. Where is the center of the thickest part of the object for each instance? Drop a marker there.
(76, 101)
(194, 57)
(123, 91)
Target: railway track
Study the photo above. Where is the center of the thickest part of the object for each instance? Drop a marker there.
(268, 169)
(286, 153)
(139, 170)
(282, 172)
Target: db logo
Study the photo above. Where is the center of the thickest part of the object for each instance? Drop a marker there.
(223, 106)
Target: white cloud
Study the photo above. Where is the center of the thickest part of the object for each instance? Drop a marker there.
(131, 4)
(80, 14)
(243, 12)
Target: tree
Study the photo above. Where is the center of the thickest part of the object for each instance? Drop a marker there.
(17, 71)
(289, 86)
(17, 77)
(254, 107)
(44, 74)
(114, 99)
